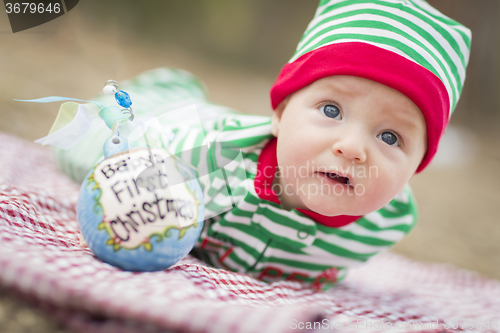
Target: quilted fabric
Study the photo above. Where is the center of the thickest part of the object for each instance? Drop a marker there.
(40, 258)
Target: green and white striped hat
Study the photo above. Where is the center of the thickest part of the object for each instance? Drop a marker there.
(405, 44)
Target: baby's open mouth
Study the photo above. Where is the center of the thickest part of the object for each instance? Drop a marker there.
(336, 177)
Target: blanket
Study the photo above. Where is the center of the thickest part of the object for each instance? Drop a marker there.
(40, 258)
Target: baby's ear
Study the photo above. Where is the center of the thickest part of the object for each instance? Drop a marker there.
(276, 117)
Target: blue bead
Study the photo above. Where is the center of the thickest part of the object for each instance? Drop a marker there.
(123, 99)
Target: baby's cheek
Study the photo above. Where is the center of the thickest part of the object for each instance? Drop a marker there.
(370, 202)
(292, 156)
(390, 187)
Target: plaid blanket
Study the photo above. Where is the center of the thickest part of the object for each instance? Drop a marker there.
(40, 258)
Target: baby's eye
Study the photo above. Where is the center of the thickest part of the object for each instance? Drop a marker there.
(331, 111)
(390, 138)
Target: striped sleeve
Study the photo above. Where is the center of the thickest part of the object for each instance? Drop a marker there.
(221, 155)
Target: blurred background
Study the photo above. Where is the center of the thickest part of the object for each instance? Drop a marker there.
(237, 48)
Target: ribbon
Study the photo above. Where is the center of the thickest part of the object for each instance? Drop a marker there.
(73, 122)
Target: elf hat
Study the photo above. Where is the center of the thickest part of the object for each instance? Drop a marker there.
(404, 44)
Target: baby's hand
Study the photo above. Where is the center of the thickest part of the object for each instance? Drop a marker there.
(82, 242)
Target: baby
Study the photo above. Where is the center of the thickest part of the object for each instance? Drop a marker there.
(323, 184)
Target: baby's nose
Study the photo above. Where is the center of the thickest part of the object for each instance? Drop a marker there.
(350, 147)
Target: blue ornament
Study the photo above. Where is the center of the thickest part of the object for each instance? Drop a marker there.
(141, 210)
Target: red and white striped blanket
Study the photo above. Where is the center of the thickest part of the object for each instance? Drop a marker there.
(40, 258)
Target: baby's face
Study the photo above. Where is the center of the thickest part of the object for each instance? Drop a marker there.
(346, 145)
